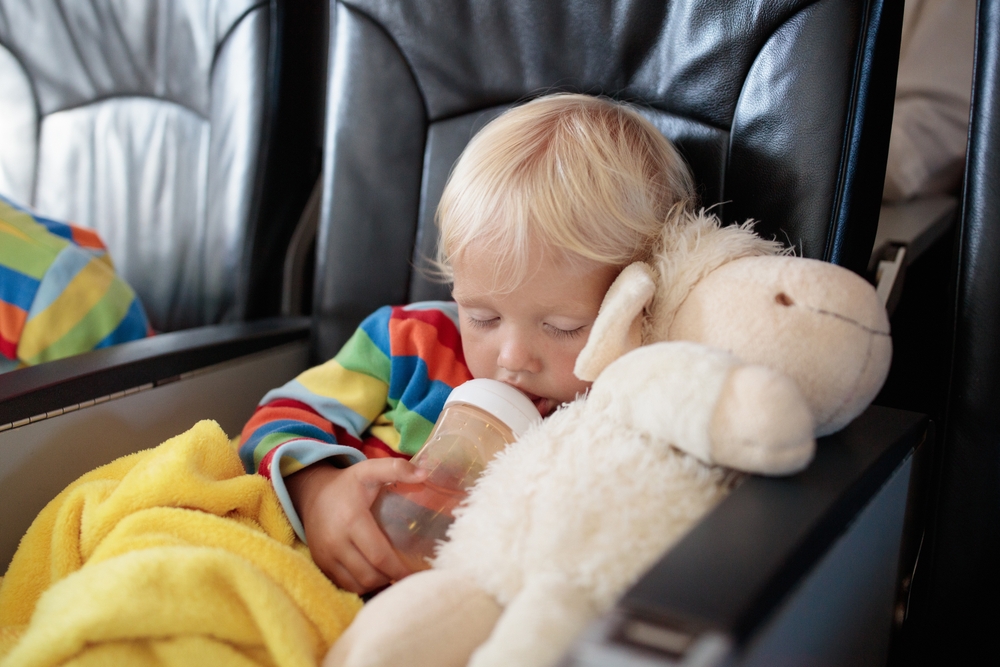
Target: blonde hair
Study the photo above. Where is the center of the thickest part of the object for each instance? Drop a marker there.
(582, 175)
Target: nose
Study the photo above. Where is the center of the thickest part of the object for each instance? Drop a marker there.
(517, 355)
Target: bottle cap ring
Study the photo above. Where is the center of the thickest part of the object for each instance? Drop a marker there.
(501, 400)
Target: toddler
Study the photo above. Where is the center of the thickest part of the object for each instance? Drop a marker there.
(542, 211)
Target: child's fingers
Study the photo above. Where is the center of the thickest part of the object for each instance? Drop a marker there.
(339, 575)
(376, 472)
(334, 552)
(359, 576)
(376, 549)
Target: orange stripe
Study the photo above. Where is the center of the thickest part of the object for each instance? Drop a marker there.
(86, 238)
(413, 338)
(12, 321)
(447, 330)
(376, 453)
(374, 448)
(266, 414)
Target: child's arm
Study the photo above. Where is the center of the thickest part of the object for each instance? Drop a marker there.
(322, 414)
(323, 417)
(311, 430)
(335, 506)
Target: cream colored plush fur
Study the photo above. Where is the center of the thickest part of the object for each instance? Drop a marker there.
(640, 306)
(722, 351)
(698, 248)
(563, 521)
(817, 323)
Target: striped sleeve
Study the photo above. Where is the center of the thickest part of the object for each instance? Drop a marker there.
(380, 395)
(427, 363)
(59, 293)
(341, 397)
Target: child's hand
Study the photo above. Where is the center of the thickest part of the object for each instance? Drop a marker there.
(335, 507)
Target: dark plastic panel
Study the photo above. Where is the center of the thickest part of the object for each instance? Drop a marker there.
(35, 390)
(737, 564)
(956, 587)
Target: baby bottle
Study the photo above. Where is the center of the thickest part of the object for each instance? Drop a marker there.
(480, 418)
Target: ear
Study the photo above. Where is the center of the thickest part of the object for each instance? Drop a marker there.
(618, 327)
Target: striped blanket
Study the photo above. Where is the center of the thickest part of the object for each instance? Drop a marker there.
(59, 293)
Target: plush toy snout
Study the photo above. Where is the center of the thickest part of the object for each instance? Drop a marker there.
(709, 404)
(434, 618)
(818, 323)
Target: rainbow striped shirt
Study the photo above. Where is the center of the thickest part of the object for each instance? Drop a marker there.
(59, 293)
(380, 396)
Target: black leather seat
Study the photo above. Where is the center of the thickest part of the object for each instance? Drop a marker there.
(782, 109)
(953, 609)
(187, 135)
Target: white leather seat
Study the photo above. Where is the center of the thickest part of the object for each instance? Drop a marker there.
(155, 123)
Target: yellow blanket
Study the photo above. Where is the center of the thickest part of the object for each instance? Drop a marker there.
(170, 556)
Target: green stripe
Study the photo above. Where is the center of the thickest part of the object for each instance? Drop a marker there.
(269, 442)
(31, 259)
(360, 354)
(92, 327)
(412, 427)
(31, 228)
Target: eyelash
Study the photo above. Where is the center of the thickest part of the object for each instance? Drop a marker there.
(564, 333)
(555, 331)
(481, 324)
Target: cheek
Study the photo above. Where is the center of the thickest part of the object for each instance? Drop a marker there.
(564, 360)
(479, 356)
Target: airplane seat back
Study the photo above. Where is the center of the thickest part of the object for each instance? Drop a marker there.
(167, 127)
(782, 110)
(955, 587)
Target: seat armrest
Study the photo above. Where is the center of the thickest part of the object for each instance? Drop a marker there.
(905, 232)
(711, 596)
(917, 223)
(32, 393)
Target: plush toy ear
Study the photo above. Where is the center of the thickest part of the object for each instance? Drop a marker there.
(618, 327)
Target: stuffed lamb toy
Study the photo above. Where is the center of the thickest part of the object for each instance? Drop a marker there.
(723, 355)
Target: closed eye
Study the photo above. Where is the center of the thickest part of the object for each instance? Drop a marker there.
(476, 323)
(565, 333)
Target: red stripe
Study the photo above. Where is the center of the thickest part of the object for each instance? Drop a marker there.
(417, 338)
(8, 348)
(12, 319)
(374, 448)
(344, 438)
(264, 469)
(447, 333)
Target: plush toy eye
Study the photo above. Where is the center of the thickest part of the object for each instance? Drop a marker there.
(784, 299)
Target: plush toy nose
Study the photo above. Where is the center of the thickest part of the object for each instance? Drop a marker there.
(820, 324)
(783, 299)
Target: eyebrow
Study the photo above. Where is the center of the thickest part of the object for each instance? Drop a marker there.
(466, 295)
(457, 295)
